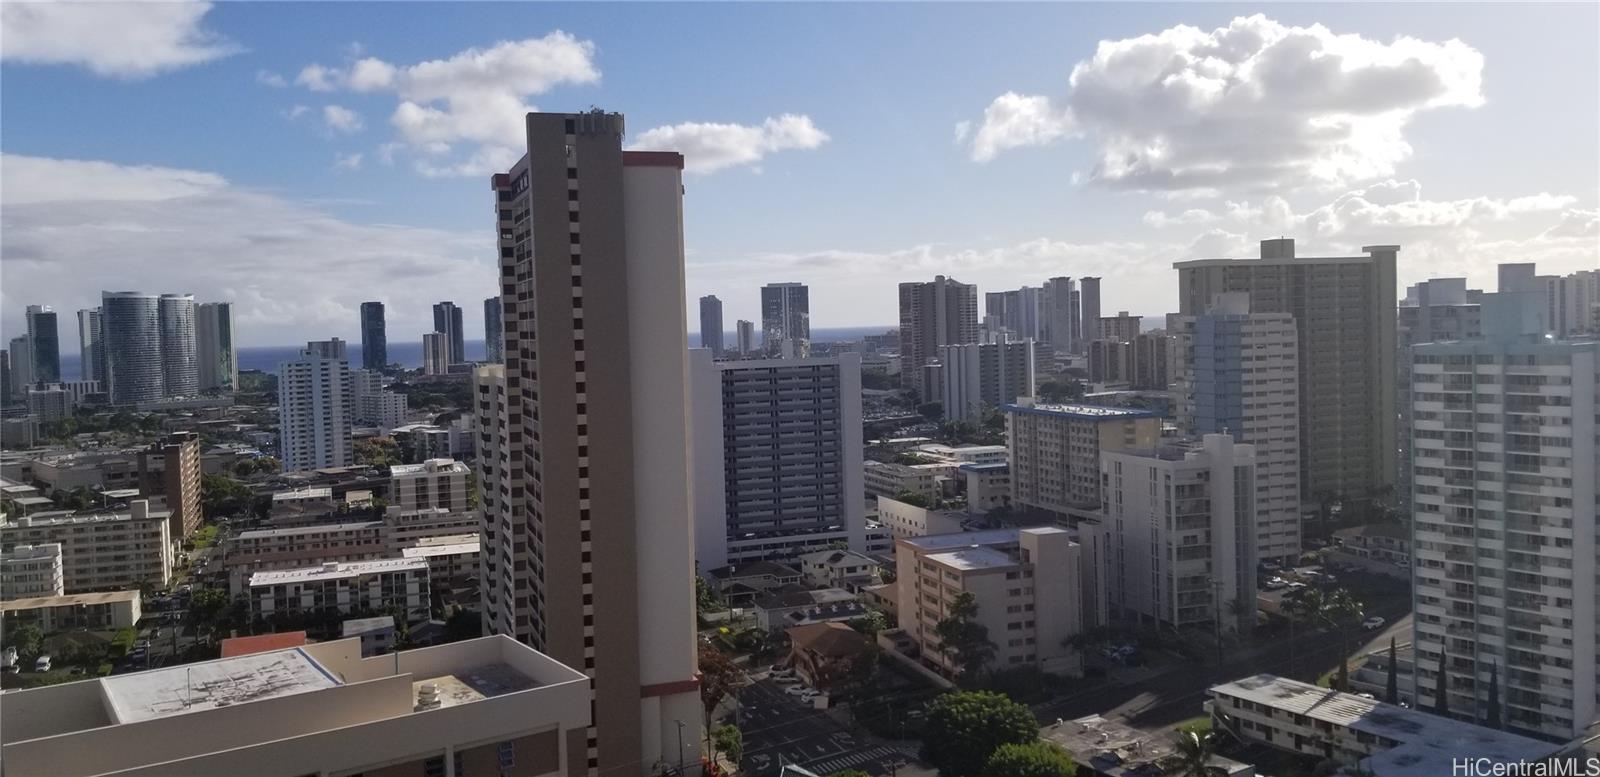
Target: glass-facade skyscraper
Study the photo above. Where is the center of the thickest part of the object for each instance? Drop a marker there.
(374, 337)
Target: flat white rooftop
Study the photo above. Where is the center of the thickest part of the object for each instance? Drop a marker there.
(68, 600)
(972, 559)
(337, 570)
(320, 528)
(954, 540)
(431, 466)
(1428, 742)
(208, 685)
(303, 494)
(1080, 411)
(426, 551)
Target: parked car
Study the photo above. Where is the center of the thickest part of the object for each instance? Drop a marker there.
(1374, 623)
(1274, 583)
(797, 690)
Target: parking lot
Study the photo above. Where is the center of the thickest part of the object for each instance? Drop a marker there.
(780, 730)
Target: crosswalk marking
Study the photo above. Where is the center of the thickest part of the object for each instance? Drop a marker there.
(841, 763)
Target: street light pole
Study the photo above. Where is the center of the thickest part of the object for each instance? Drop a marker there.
(1216, 617)
(680, 747)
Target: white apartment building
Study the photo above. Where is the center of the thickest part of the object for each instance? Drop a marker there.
(404, 528)
(482, 706)
(1181, 523)
(881, 478)
(845, 569)
(28, 571)
(978, 377)
(100, 611)
(966, 454)
(448, 557)
(258, 550)
(343, 586)
(315, 410)
(1026, 583)
(777, 457)
(1055, 450)
(375, 404)
(589, 539)
(1239, 373)
(988, 487)
(100, 551)
(905, 520)
(433, 483)
(1504, 518)
(1354, 731)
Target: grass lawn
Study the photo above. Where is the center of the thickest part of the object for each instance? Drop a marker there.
(1196, 723)
(204, 536)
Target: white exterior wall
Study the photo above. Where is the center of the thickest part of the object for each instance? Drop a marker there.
(653, 220)
(315, 413)
(31, 571)
(118, 550)
(905, 520)
(1057, 565)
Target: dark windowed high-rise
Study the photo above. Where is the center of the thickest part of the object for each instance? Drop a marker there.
(447, 320)
(494, 343)
(130, 323)
(785, 316)
(46, 344)
(711, 324)
(374, 337)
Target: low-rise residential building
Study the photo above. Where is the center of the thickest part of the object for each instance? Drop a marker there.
(170, 468)
(94, 470)
(826, 654)
(100, 611)
(988, 487)
(343, 587)
(421, 442)
(483, 706)
(794, 606)
(403, 528)
(965, 454)
(377, 634)
(1109, 747)
(1384, 543)
(1025, 583)
(1181, 525)
(301, 503)
(449, 557)
(740, 584)
(845, 569)
(1382, 739)
(892, 480)
(433, 483)
(908, 520)
(28, 571)
(259, 550)
(101, 550)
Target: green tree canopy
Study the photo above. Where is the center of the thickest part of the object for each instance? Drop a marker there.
(1034, 759)
(932, 411)
(963, 729)
(961, 636)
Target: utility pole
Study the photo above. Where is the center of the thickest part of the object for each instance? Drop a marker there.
(1216, 618)
(680, 747)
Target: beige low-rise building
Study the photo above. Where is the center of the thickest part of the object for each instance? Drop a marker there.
(105, 610)
(433, 483)
(1026, 585)
(399, 584)
(263, 550)
(101, 550)
(908, 520)
(482, 706)
(449, 557)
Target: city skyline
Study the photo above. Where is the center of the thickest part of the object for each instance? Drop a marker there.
(1006, 178)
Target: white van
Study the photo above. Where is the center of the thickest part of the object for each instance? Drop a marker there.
(42, 665)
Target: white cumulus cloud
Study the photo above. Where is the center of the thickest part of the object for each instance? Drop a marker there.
(118, 40)
(1256, 104)
(708, 147)
(347, 161)
(269, 78)
(167, 229)
(341, 119)
(475, 98)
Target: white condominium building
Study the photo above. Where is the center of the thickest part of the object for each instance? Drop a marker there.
(1181, 525)
(433, 483)
(101, 551)
(977, 377)
(400, 584)
(482, 706)
(1055, 450)
(1025, 583)
(1238, 373)
(316, 410)
(31, 571)
(1504, 518)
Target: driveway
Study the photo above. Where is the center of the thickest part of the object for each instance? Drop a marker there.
(781, 730)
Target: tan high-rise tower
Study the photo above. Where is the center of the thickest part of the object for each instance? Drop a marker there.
(587, 535)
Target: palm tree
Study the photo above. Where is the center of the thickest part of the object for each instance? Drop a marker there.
(1441, 700)
(1391, 689)
(1493, 720)
(1343, 611)
(1194, 750)
(1307, 605)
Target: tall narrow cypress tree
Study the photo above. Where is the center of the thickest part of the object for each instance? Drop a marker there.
(1391, 689)
(1493, 718)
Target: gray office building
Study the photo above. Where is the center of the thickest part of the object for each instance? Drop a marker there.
(494, 342)
(785, 316)
(447, 320)
(1344, 313)
(214, 349)
(1089, 309)
(131, 324)
(374, 337)
(711, 324)
(91, 346)
(46, 343)
(777, 457)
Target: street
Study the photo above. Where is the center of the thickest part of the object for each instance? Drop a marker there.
(780, 730)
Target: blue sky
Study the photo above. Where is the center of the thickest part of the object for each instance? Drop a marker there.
(217, 170)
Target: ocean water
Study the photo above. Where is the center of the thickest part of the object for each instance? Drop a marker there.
(266, 357)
